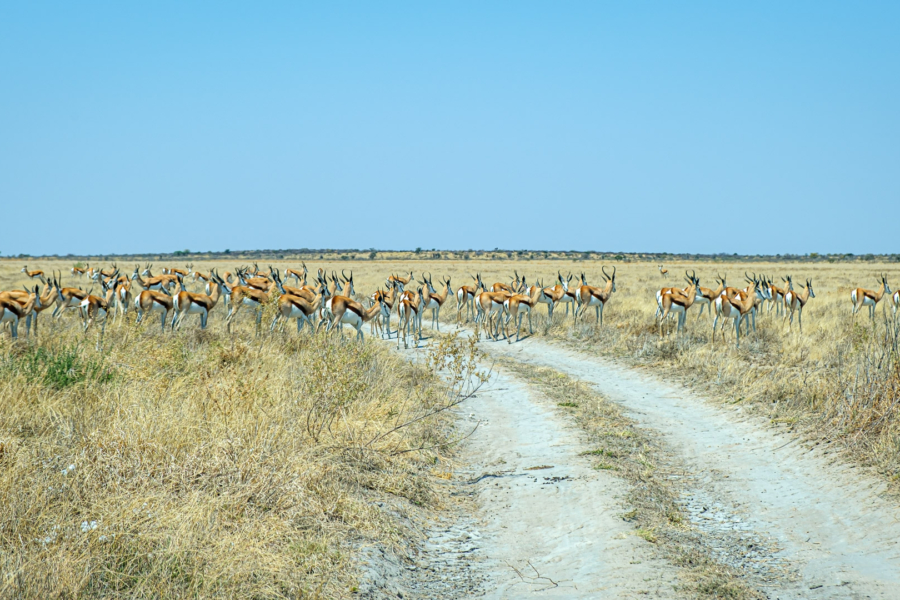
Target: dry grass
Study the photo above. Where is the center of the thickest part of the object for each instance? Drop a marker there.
(246, 440)
(840, 379)
(199, 463)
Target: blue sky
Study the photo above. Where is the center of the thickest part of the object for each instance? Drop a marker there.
(764, 127)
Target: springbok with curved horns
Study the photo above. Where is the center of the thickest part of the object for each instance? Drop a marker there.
(755, 291)
(300, 276)
(434, 301)
(862, 297)
(149, 301)
(12, 312)
(795, 301)
(42, 303)
(408, 309)
(402, 281)
(488, 305)
(568, 296)
(555, 294)
(776, 294)
(182, 272)
(261, 283)
(66, 297)
(516, 307)
(296, 307)
(737, 307)
(465, 297)
(678, 302)
(187, 303)
(706, 296)
(388, 299)
(238, 296)
(98, 308)
(101, 274)
(588, 296)
(350, 312)
(514, 287)
(153, 283)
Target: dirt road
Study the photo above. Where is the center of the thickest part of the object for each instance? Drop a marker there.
(558, 531)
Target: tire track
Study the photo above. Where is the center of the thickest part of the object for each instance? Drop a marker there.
(829, 523)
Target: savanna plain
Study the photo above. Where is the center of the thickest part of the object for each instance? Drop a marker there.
(258, 464)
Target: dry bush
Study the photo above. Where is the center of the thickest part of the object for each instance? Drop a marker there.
(201, 464)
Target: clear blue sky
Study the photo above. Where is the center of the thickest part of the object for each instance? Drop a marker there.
(751, 127)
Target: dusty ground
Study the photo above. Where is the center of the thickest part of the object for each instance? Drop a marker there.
(793, 522)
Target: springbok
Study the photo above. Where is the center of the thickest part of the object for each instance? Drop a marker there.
(186, 303)
(97, 275)
(664, 272)
(511, 288)
(153, 301)
(795, 301)
(434, 301)
(44, 301)
(182, 272)
(300, 276)
(66, 297)
(97, 308)
(757, 288)
(776, 294)
(555, 294)
(706, 296)
(862, 297)
(388, 299)
(588, 296)
(408, 310)
(568, 296)
(263, 284)
(488, 305)
(238, 296)
(123, 298)
(23, 297)
(294, 307)
(34, 274)
(151, 282)
(198, 276)
(726, 305)
(402, 281)
(12, 312)
(516, 307)
(465, 297)
(678, 302)
(345, 310)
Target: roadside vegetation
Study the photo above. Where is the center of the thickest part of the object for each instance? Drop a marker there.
(839, 380)
(198, 463)
(201, 464)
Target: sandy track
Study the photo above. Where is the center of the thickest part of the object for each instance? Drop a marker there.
(829, 522)
(560, 527)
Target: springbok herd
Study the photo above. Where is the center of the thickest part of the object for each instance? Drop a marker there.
(329, 300)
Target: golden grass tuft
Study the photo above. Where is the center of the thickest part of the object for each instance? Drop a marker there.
(201, 464)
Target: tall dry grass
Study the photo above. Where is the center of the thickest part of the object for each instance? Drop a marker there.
(246, 465)
(201, 464)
